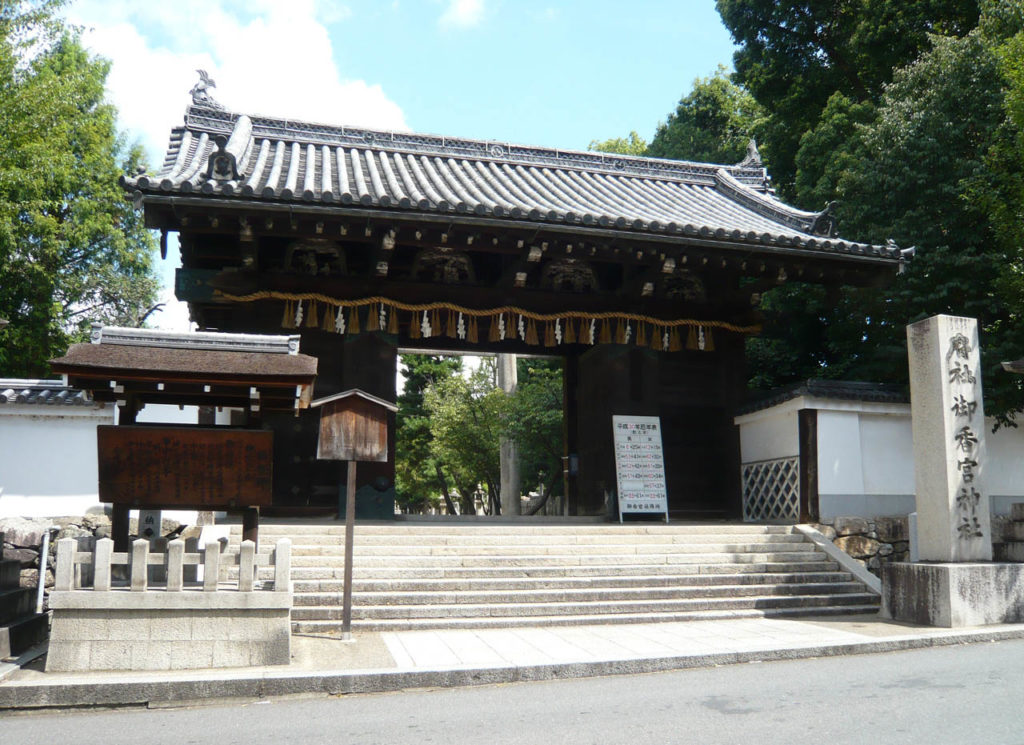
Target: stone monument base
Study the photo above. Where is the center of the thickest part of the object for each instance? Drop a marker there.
(953, 595)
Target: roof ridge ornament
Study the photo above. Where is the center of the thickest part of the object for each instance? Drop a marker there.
(825, 222)
(753, 158)
(200, 91)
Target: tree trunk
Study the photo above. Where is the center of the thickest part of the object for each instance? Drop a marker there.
(448, 504)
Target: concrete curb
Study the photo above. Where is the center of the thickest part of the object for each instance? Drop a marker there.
(114, 690)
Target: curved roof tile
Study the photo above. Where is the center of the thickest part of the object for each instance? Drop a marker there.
(284, 161)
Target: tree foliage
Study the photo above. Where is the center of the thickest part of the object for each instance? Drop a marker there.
(713, 123)
(634, 144)
(795, 56)
(72, 249)
(419, 474)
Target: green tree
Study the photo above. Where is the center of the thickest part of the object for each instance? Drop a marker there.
(713, 123)
(466, 417)
(72, 249)
(793, 57)
(533, 419)
(634, 144)
(419, 475)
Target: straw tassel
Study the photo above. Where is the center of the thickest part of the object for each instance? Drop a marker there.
(472, 333)
(620, 332)
(311, 317)
(288, 320)
(415, 330)
(549, 334)
(393, 321)
(327, 324)
(657, 342)
(709, 341)
(452, 328)
(674, 342)
(570, 331)
(531, 333)
(493, 333)
(353, 321)
(691, 339)
(436, 329)
(606, 333)
(641, 334)
(372, 319)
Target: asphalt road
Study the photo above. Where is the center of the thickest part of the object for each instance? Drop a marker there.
(973, 694)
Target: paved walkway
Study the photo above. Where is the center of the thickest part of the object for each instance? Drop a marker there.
(376, 662)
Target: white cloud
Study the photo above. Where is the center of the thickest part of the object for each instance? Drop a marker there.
(156, 47)
(462, 14)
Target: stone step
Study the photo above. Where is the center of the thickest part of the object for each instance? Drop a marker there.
(598, 595)
(405, 529)
(597, 570)
(549, 560)
(16, 603)
(328, 628)
(555, 549)
(508, 584)
(466, 541)
(23, 634)
(516, 610)
(798, 609)
(10, 573)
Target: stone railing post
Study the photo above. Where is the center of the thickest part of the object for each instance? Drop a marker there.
(211, 566)
(101, 564)
(283, 566)
(246, 566)
(175, 565)
(64, 579)
(140, 565)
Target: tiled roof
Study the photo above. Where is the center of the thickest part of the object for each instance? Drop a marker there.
(843, 390)
(49, 392)
(149, 351)
(245, 158)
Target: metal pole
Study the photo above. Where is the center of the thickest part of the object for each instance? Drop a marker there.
(350, 525)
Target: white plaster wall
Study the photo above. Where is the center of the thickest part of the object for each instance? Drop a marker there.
(840, 469)
(769, 435)
(48, 459)
(866, 455)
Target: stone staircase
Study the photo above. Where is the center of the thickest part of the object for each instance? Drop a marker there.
(20, 626)
(443, 576)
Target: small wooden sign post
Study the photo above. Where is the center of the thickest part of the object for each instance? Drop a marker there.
(353, 427)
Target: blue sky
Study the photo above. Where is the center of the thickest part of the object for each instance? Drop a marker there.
(557, 74)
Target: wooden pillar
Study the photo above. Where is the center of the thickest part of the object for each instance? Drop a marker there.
(121, 513)
(807, 423)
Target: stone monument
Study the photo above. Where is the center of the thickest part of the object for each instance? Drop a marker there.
(955, 582)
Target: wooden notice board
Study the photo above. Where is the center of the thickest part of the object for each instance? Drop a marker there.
(185, 467)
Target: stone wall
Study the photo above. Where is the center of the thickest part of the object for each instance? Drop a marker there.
(873, 542)
(23, 539)
(878, 541)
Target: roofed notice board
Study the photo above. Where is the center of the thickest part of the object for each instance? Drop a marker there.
(640, 464)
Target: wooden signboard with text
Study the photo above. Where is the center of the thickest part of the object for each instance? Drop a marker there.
(185, 467)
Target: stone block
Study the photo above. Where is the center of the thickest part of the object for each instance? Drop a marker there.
(232, 654)
(214, 625)
(1017, 511)
(851, 526)
(110, 655)
(858, 546)
(892, 529)
(23, 532)
(68, 656)
(130, 627)
(953, 595)
(171, 625)
(1010, 552)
